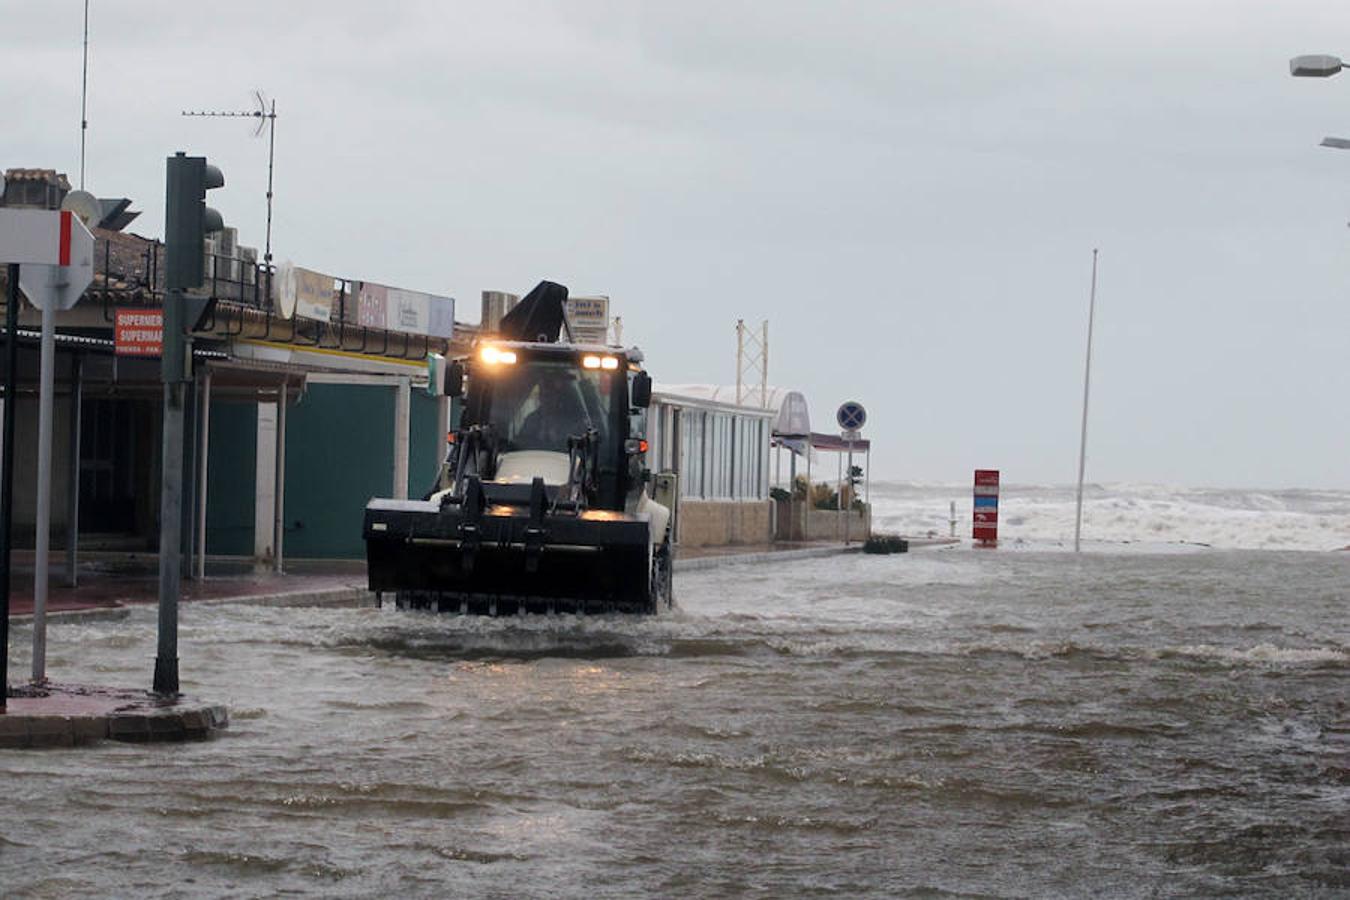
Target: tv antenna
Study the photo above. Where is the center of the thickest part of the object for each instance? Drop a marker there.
(266, 114)
(84, 93)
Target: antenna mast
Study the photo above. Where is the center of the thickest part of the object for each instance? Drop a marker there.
(752, 357)
(84, 93)
(266, 114)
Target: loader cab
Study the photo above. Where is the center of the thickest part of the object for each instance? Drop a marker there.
(535, 397)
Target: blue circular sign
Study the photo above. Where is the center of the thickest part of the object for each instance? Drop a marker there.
(851, 415)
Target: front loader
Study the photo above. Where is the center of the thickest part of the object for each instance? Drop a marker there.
(541, 504)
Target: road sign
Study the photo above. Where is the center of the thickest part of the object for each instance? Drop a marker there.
(986, 506)
(851, 435)
(39, 236)
(851, 415)
(60, 284)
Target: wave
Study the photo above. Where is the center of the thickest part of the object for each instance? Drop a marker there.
(1294, 519)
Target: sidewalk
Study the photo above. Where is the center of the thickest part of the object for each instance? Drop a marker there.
(118, 581)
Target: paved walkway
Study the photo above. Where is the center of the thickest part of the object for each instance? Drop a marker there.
(119, 581)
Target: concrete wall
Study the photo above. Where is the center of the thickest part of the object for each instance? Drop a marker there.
(794, 522)
(828, 524)
(712, 522)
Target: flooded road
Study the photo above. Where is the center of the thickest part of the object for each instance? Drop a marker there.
(946, 723)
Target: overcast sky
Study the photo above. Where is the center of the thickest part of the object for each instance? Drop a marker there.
(909, 192)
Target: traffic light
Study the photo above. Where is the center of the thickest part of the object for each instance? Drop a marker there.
(188, 220)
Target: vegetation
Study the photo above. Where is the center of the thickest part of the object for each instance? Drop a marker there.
(886, 543)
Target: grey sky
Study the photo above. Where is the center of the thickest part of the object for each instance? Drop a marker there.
(909, 192)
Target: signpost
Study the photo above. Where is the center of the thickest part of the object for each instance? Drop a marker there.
(851, 417)
(51, 256)
(986, 507)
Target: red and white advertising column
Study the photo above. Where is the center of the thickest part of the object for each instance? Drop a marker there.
(986, 507)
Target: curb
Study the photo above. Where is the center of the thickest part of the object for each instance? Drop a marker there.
(109, 714)
(334, 597)
(740, 559)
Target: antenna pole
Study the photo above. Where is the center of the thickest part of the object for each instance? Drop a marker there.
(764, 366)
(1087, 380)
(265, 111)
(84, 93)
(271, 147)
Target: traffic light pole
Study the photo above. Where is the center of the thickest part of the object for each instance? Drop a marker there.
(171, 496)
(187, 220)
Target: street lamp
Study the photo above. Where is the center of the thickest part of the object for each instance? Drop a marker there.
(1315, 66)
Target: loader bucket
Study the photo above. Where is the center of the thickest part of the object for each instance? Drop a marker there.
(502, 559)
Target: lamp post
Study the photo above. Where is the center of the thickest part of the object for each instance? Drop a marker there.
(1319, 65)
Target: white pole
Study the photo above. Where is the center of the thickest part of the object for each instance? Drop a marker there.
(1087, 380)
(848, 511)
(839, 493)
(46, 388)
(279, 480)
(201, 475)
(402, 420)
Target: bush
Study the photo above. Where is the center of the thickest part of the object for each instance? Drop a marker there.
(886, 543)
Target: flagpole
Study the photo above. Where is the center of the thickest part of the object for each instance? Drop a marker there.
(1087, 380)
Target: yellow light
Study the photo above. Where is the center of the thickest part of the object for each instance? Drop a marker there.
(507, 356)
(492, 355)
(590, 362)
(609, 362)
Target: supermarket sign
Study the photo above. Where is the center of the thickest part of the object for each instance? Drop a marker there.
(138, 332)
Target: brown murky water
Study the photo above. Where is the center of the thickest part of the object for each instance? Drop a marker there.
(948, 723)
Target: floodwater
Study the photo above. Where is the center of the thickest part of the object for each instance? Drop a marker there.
(946, 723)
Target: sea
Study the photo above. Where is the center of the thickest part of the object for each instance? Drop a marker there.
(1166, 713)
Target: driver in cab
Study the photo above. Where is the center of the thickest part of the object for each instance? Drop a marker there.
(559, 412)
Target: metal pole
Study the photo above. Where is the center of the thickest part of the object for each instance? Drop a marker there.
(279, 498)
(84, 94)
(7, 468)
(740, 356)
(170, 524)
(188, 533)
(806, 507)
(848, 511)
(1087, 380)
(764, 366)
(73, 482)
(201, 474)
(839, 491)
(41, 572)
(271, 154)
(402, 419)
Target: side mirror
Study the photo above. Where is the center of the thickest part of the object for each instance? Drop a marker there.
(454, 379)
(641, 390)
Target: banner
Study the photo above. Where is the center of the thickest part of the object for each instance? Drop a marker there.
(370, 305)
(304, 293)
